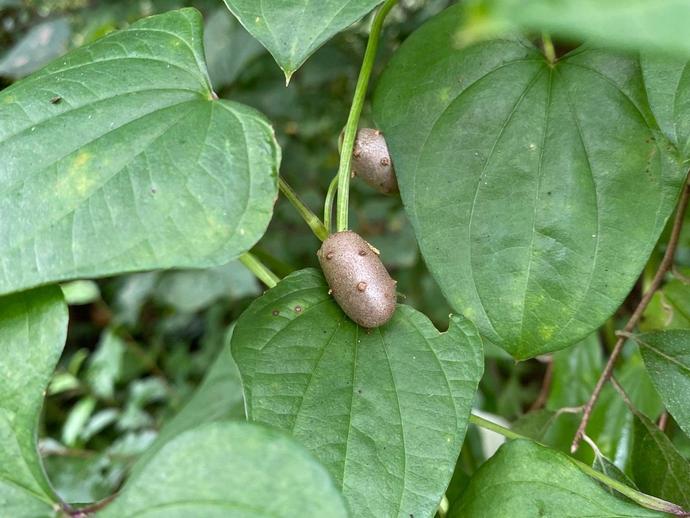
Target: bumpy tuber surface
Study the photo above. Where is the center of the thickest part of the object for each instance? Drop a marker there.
(358, 279)
(372, 162)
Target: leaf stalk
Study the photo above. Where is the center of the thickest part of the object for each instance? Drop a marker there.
(549, 51)
(311, 219)
(259, 269)
(328, 205)
(355, 113)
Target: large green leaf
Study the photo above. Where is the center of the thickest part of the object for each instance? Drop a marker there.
(230, 470)
(666, 355)
(385, 410)
(657, 466)
(33, 328)
(524, 479)
(517, 185)
(292, 30)
(629, 24)
(115, 158)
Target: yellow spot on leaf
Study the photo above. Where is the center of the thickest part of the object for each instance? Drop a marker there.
(78, 180)
(546, 332)
(215, 229)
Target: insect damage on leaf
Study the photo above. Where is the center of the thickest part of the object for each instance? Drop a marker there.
(358, 279)
(372, 161)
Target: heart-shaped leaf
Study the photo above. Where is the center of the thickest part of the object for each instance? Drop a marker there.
(292, 30)
(519, 189)
(385, 410)
(524, 480)
(33, 328)
(629, 24)
(115, 158)
(666, 355)
(229, 469)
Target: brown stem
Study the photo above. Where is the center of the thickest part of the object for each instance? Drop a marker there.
(664, 267)
(545, 386)
(663, 419)
(85, 512)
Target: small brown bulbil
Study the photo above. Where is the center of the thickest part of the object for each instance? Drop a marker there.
(371, 161)
(359, 282)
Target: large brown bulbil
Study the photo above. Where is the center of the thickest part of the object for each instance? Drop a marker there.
(372, 162)
(358, 279)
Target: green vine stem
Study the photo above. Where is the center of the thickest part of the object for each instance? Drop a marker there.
(648, 501)
(328, 205)
(355, 112)
(549, 51)
(260, 270)
(308, 216)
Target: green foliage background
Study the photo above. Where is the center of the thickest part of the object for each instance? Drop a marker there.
(145, 350)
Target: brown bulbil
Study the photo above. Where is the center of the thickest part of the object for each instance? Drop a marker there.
(371, 161)
(359, 283)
